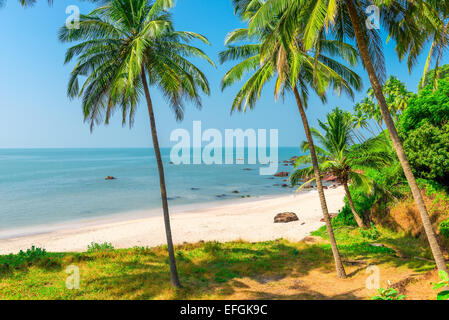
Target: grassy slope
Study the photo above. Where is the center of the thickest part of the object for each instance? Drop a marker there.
(236, 270)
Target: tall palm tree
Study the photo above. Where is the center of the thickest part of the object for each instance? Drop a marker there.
(339, 156)
(124, 47)
(347, 19)
(266, 58)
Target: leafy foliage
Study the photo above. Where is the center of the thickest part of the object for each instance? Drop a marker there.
(388, 294)
(371, 234)
(23, 257)
(427, 148)
(120, 43)
(444, 228)
(444, 283)
(99, 247)
(427, 107)
(424, 128)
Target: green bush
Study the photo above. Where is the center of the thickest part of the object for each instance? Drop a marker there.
(22, 258)
(370, 234)
(427, 106)
(427, 149)
(99, 247)
(362, 203)
(388, 294)
(444, 229)
(444, 283)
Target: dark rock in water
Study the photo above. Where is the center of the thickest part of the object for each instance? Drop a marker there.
(235, 191)
(276, 184)
(220, 195)
(173, 198)
(281, 174)
(271, 178)
(247, 169)
(284, 185)
(110, 178)
(285, 217)
(194, 189)
(293, 158)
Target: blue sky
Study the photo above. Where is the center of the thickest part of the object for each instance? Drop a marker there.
(35, 112)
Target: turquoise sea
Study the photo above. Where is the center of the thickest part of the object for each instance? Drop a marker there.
(43, 187)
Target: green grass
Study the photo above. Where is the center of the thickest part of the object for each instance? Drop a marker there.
(207, 270)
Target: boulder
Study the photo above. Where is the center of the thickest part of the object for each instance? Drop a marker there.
(110, 178)
(235, 191)
(282, 174)
(285, 217)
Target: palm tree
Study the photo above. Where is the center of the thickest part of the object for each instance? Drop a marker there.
(266, 58)
(431, 18)
(124, 47)
(347, 19)
(340, 157)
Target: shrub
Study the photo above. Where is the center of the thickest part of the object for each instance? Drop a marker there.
(444, 229)
(444, 283)
(371, 234)
(99, 247)
(22, 258)
(388, 294)
(427, 106)
(427, 149)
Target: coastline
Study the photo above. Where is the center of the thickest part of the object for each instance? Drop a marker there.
(246, 219)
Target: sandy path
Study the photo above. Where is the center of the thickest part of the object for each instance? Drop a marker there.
(251, 221)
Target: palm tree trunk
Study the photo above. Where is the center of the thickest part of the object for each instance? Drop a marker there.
(171, 252)
(359, 220)
(338, 264)
(397, 144)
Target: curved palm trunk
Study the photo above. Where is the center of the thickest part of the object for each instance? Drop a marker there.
(171, 252)
(338, 264)
(397, 144)
(359, 220)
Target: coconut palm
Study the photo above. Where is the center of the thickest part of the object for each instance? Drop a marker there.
(340, 157)
(431, 17)
(263, 57)
(124, 48)
(345, 19)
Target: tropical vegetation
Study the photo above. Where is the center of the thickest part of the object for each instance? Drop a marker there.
(340, 157)
(123, 48)
(297, 71)
(390, 153)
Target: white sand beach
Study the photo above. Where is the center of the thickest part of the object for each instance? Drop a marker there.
(245, 220)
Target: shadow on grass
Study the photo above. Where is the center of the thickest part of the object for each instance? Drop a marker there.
(212, 269)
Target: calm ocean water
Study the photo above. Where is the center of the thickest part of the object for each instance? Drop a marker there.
(47, 186)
